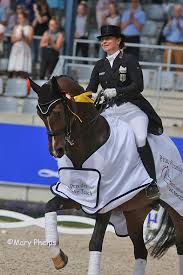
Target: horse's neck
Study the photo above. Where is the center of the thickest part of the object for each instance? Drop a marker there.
(88, 136)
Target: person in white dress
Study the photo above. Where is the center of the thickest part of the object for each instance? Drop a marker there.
(20, 60)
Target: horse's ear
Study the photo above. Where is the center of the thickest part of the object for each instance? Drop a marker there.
(36, 88)
(54, 82)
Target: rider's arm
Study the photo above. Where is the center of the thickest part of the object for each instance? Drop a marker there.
(135, 76)
(94, 80)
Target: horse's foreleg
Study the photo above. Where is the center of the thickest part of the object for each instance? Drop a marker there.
(95, 245)
(51, 232)
(135, 221)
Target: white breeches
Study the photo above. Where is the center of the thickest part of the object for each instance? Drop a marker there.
(135, 117)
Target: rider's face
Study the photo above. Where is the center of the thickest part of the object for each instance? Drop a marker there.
(110, 44)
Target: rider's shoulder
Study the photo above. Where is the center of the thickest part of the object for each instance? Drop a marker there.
(99, 63)
(130, 58)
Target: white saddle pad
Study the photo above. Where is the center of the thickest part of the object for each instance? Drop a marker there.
(114, 174)
(122, 172)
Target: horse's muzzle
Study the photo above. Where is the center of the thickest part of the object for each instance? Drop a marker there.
(58, 152)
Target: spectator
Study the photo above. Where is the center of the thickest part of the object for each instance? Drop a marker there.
(167, 11)
(20, 57)
(2, 14)
(167, 7)
(101, 12)
(132, 23)
(173, 32)
(113, 17)
(81, 30)
(5, 4)
(28, 6)
(40, 24)
(12, 17)
(11, 21)
(2, 29)
(20, 8)
(51, 43)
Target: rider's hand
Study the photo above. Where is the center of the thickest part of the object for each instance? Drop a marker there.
(94, 96)
(110, 93)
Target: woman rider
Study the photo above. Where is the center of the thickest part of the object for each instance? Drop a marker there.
(121, 78)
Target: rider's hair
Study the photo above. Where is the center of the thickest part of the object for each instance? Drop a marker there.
(121, 44)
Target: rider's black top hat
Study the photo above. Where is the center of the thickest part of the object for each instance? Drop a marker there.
(110, 30)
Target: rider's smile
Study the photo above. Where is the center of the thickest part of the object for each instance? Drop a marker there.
(110, 44)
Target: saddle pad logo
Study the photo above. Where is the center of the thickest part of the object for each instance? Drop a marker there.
(80, 185)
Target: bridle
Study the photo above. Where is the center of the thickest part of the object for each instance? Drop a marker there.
(67, 112)
(49, 106)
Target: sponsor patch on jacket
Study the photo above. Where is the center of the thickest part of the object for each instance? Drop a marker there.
(122, 69)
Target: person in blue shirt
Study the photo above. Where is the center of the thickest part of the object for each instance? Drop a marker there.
(132, 22)
(2, 15)
(173, 33)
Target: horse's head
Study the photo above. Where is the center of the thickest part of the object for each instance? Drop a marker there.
(57, 108)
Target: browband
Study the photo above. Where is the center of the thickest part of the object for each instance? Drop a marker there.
(41, 106)
(84, 97)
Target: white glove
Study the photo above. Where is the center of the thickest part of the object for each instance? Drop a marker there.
(94, 96)
(110, 93)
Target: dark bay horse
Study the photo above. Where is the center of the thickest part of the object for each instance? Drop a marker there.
(76, 129)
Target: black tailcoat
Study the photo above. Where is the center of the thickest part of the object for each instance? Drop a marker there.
(127, 78)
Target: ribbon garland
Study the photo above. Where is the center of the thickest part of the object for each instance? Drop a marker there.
(84, 97)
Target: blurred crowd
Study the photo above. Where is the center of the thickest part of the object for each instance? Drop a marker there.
(133, 19)
(32, 34)
(31, 31)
